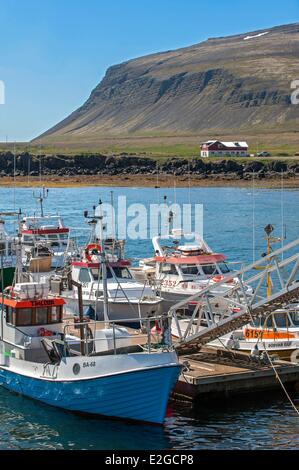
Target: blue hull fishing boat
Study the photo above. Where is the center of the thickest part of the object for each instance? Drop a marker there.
(103, 371)
(136, 394)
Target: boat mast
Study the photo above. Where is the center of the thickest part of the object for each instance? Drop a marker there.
(43, 194)
(93, 222)
(270, 240)
(18, 271)
(103, 265)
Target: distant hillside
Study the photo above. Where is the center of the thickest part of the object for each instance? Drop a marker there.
(239, 82)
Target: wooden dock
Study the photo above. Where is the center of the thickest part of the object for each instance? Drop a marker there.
(220, 372)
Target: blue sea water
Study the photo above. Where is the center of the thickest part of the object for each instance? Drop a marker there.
(261, 421)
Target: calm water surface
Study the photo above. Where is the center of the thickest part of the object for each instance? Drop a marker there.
(263, 421)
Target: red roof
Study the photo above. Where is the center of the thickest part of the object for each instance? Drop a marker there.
(199, 259)
(15, 303)
(114, 264)
(39, 231)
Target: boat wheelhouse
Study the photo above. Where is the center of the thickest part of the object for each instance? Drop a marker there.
(179, 270)
(127, 298)
(279, 334)
(49, 230)
(29, 314)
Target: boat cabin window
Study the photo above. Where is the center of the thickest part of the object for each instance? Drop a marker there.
(223, 268)
(281, 319)
(10, 315)
(122, 273)
(42, 316)
(191, 269)
(209, 269)
(34, 316)
(167, 269)
(84, 275)
(28, 240)
(97, 274)
(295, 317)
(269, 322)
(52, 236)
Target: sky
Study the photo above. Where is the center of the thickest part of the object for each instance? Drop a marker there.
(54, 52)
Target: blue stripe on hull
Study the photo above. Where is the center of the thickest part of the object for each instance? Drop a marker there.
(140, 395)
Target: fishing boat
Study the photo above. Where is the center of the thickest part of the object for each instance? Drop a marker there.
(179, 270)
(47, 229)
(7, 256)
(278, 335)
(103, 258)
(101, 371)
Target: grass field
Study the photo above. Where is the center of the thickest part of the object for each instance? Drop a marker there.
(281, 145)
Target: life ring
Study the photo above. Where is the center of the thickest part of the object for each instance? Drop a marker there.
(220, 278)
(89, 250)
(217, 278)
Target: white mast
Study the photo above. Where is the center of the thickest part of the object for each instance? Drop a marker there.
(104, 266)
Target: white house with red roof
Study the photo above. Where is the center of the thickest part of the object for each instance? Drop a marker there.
(217, 148)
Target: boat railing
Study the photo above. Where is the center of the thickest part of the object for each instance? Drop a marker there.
(154, 334)
(25, 340)
(6, 259)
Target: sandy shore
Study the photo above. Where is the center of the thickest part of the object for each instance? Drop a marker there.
(147, 181)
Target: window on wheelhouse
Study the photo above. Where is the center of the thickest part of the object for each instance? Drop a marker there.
(54, 239)
(84, 275)
(294, 314)
(10, 315)
(190, 269)
(97, 274)
(209, 269)
(223, 268)
(281, 319)
(168, 269)
(41, 316)
(122, 272)
(28, 240)
(63, 238)
(34, 316)
(269, 323)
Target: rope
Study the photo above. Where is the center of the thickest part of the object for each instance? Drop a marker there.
(280, 381)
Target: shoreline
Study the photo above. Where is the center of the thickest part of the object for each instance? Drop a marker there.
(150, 181)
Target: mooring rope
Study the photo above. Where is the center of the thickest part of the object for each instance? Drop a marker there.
(280, 381)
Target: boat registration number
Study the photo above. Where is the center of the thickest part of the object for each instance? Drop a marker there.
(251, 333)
(168, 283)
(89, 364)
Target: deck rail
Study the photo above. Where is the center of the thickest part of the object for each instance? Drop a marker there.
(242, 297)
(146, 337)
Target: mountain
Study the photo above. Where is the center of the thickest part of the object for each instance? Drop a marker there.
(240, 82)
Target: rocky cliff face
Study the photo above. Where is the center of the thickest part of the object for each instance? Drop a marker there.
(237, 82)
